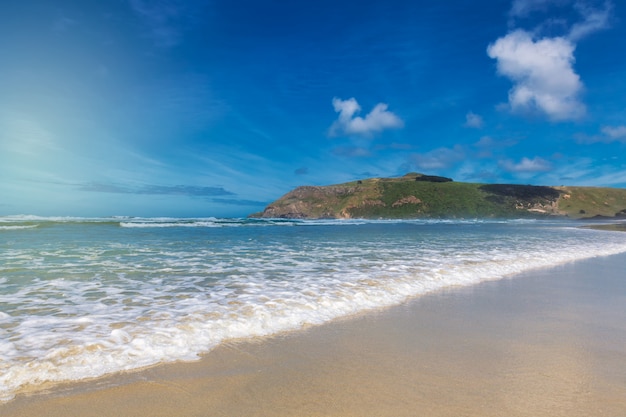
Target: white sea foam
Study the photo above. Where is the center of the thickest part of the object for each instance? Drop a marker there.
(105, 305)
(168, 224)
(18, 227)
(33, 218)
(209, 222)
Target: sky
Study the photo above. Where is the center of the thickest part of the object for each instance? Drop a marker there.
(188, 108)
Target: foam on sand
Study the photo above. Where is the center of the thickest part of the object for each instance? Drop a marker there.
(551, 342)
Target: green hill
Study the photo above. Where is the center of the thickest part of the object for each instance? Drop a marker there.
(424, 196)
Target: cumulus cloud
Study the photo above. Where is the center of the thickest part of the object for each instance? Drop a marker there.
(375, 121)
(541, 68)
(526, 165)
(542, 72)
(473, 120)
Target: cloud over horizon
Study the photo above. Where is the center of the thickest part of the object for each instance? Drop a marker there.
(377, 120)
(526, 165)
(148, 189)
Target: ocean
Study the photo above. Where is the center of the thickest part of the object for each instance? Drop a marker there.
(86, 297)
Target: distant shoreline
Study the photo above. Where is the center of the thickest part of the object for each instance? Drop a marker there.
(614, 227)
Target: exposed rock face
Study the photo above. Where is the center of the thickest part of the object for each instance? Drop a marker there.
(407, 200)
(372, 203)
(292, 211)
(310, 202)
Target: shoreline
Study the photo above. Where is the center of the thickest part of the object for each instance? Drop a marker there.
(547, 342)
(613, 227)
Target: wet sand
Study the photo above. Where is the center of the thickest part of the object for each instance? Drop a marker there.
(547, 343)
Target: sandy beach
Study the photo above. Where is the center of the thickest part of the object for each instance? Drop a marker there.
(547, 343)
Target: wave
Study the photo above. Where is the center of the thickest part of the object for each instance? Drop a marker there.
(15, 222)
(239, 222)
(59, 219)
(168, 224)
(115, 305)
(19, 227)
(232, 222)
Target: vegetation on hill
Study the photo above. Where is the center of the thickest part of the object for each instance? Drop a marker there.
(424, 196)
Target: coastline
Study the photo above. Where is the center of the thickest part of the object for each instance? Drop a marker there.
(613, 227)
(545, 343)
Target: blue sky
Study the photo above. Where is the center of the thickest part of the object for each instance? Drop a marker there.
(216, 108)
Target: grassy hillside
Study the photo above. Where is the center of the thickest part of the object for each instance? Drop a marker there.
(585, 202)
(421, 196)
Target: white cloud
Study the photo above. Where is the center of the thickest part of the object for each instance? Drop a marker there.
(473, 120)
(542, 72)
(375, 121)
(542, 68)
(616, 133)
(594, 20)
(526, 165)
(609, 134)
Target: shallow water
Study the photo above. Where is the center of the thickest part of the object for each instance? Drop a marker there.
(81, 298)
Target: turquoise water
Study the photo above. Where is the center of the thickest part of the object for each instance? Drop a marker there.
(81, 298)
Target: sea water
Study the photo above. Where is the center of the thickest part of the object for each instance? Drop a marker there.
(82, 298)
